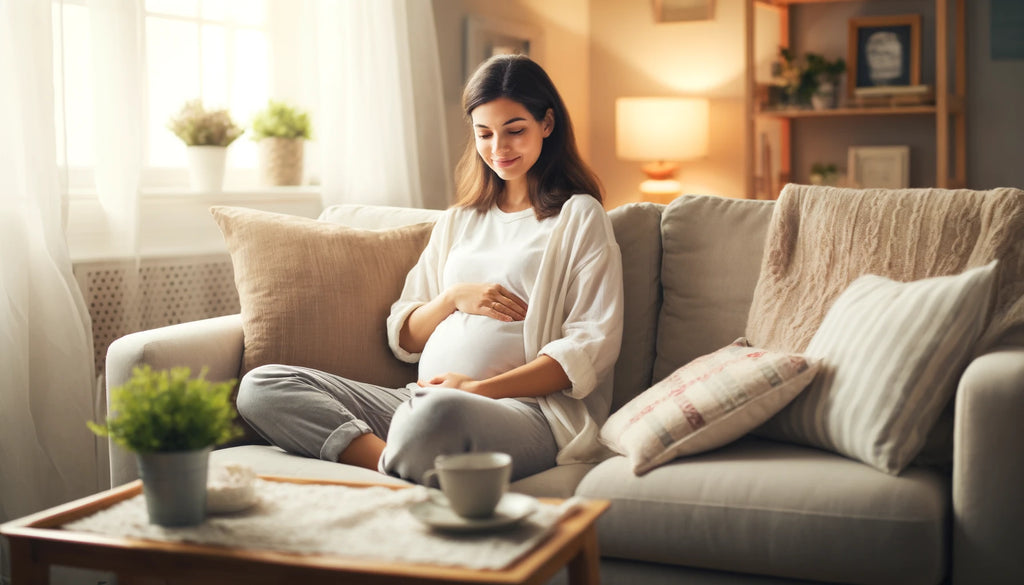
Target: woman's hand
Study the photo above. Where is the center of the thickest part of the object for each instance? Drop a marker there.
(450, 380)
(489, 300)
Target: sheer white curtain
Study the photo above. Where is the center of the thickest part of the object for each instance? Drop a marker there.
(116, 44)
(47, 455)
(382, 119)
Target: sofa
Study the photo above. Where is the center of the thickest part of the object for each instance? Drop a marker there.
(755, 510)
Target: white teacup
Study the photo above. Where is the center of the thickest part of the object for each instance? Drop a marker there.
(473, 482)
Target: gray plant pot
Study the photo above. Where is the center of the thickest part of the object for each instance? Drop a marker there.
(174, 485)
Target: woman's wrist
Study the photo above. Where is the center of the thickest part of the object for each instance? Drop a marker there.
(478, 387)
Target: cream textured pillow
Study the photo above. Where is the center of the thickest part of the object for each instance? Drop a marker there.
(892, 354)
(709, 402)
(318, 294)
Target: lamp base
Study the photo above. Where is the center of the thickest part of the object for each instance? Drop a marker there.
(661, 187)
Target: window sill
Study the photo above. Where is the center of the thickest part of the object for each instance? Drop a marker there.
(174, 222)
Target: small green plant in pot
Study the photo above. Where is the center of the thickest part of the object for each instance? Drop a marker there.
(280, 130)
(824, 174)
(826, 75)
(207, 135)
(171, 421)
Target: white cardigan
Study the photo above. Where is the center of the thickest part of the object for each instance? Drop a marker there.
(576, 320)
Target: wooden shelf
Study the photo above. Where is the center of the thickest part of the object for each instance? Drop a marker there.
(842, 112)
(776, 3)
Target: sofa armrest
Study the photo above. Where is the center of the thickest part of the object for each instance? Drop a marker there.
(988, 470)
(215, 344)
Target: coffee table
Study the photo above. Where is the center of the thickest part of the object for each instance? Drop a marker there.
(37, 542)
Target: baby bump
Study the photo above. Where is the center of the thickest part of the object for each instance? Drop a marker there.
(477, 346)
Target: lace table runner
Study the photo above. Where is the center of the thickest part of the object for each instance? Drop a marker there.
(365, 523)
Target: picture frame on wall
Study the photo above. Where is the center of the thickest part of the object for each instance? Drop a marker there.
(878, 167)
(486, 37)
(884, 52)
(683, 10)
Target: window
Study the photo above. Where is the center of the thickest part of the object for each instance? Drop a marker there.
(216, 50)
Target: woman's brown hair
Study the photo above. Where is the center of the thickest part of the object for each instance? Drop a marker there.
(558, 173)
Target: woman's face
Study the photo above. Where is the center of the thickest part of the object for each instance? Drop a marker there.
(508, 139)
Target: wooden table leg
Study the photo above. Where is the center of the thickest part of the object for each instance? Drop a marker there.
(24, 568)
(585, 567)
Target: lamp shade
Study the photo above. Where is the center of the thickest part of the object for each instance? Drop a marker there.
(661, 129)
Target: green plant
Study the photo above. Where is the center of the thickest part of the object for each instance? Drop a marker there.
(280, 120)
(800, 77)
(197, 126)
(824, 70)
(824, 169)
(166, 410)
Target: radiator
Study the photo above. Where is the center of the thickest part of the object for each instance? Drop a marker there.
(124, 296)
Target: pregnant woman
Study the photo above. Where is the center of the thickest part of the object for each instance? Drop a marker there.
(513, 311)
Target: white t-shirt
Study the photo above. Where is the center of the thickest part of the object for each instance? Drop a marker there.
(574, 317)
(494, 247)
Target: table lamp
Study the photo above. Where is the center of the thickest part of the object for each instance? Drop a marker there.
(661, 132)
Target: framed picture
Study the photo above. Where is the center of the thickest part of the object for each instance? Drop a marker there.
(683, 10)
(486, 37)
(870, 167)
(884, 51)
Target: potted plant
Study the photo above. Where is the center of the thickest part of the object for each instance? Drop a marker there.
(280, 130)
(171, 421)
(206, 134)
(824, 174)
(826, 76)
(792, 80)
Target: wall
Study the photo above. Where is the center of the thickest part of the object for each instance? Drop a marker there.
(631, 55)
(562, 38)
(995, 95)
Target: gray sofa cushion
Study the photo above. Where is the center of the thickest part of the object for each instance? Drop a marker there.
(637, 231)
(708, 279)
(771, 508)
(557, 482)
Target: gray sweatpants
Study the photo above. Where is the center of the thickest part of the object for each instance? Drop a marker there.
(316, 414)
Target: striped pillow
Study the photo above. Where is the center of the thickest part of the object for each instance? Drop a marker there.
(892, 354)
(709, 402)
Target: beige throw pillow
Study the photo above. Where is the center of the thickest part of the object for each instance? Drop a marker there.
(892, 354)
(709, 402)
(318, 294)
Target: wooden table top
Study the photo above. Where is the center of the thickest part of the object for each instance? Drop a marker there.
(53, 545)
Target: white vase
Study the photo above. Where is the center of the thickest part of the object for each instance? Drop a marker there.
(825, 97)
(206, 167)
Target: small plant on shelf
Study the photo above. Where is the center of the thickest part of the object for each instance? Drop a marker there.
(279, 131)
(824, 174)
(197, 126)
(280, 120)
(826, 74)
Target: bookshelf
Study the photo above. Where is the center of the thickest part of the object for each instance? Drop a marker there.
(773, 128)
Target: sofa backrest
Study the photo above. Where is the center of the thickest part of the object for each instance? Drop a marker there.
(705, 250)
(712, 248)
(638, 232)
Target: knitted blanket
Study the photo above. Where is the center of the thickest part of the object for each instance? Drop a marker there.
(822, 238)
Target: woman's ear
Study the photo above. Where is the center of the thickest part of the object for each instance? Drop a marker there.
(549, 122)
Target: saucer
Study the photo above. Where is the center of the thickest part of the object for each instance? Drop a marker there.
(511, 510)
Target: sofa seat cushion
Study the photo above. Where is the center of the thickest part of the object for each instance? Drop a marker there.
(268, 460)
(557, 482)
(770, 508)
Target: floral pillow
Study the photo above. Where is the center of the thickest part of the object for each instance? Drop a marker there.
(709, 402)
